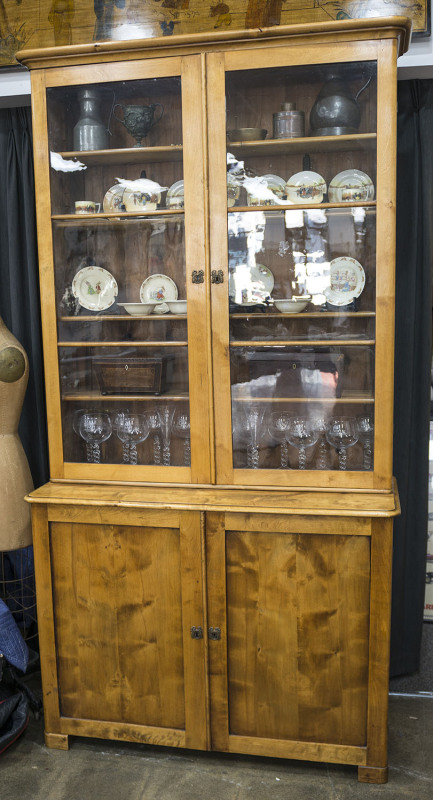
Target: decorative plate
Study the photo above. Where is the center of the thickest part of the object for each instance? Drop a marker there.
(113, 199)
(95, 288)
(157, 289)
(139, 201)
(347, 281)
(275, 184)
(305, 187)
(175, 195)
(250, 285)
(350, 186)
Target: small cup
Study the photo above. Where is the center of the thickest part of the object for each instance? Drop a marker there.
(87, 207)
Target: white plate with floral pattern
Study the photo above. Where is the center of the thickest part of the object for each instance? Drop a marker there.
(158, 289)
(95, 288)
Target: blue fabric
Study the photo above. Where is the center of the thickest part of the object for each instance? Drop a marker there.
(12, 644)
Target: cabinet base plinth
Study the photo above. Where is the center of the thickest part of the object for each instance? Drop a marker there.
(57, 741)
(373, 774)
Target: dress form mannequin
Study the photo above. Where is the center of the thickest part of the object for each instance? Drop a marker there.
(15, 478)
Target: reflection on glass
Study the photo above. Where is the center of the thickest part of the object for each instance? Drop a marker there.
(302, 434)
(342, 433)
(366, 436)
(95, 428)
(132, 429)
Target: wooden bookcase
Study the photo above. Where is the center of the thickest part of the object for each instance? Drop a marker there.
(213, 553)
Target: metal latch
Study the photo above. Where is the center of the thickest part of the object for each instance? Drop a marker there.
(196, 632)
(214, 633)
(217, 276)
(197, 276)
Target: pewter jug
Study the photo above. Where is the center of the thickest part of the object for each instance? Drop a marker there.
(90, 133)
(138, 119)
(336, 111)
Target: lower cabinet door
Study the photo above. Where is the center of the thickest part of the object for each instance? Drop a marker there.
(127, 590)
(290, 597)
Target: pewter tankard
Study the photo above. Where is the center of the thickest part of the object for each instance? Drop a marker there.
(138, 119)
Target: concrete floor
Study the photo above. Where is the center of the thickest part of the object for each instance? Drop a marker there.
(94, 769)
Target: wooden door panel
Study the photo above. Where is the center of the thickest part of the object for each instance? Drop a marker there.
(297, 636)
(117, 606)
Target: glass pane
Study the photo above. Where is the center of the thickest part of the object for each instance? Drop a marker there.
(301, 166)
(119, 261)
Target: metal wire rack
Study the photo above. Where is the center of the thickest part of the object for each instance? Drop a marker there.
(17, 589)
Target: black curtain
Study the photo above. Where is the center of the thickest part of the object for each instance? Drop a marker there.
(19, 287)
(412, 366)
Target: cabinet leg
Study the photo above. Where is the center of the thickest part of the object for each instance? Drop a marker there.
(373, 774)
(59, 741)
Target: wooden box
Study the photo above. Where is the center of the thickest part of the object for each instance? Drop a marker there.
(134, 375)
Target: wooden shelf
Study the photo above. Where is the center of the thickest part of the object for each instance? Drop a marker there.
(124, 318)
(305, 314)
(127, 155)
(97, 397)
(307, 144)
(129, 344)
(352, 399)
(347, 207)
(118, 216)
(302, 343)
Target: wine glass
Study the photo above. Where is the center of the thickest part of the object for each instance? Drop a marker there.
(323, 456)
(154, 428)
(342, 433)
(95, 427)
(182, 428)
(250, 429)
(131, 430)
(301, 433)
(278, 426)
(118, 419)
(164, 418)
(366, 436)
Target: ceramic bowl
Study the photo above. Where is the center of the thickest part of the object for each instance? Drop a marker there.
(305, 187)
(292, 305)
(246, 134)
(177, 306)
(137, 309)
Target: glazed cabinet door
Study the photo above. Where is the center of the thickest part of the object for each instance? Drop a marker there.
(120, 201)
(122, 594)
(290, 597)
(302, 199)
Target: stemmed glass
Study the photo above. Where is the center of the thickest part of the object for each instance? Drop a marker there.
(132, 429)
(366, 435)
(94, 427)
(301, 433)
(278, 429)
(182, 428)
(323, 459)
(251, 429)
(118, 420)
(154, 427)
(342, 433)
(164, 418)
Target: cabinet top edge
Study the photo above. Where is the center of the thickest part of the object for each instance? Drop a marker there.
(398, 27)
(271, 501)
